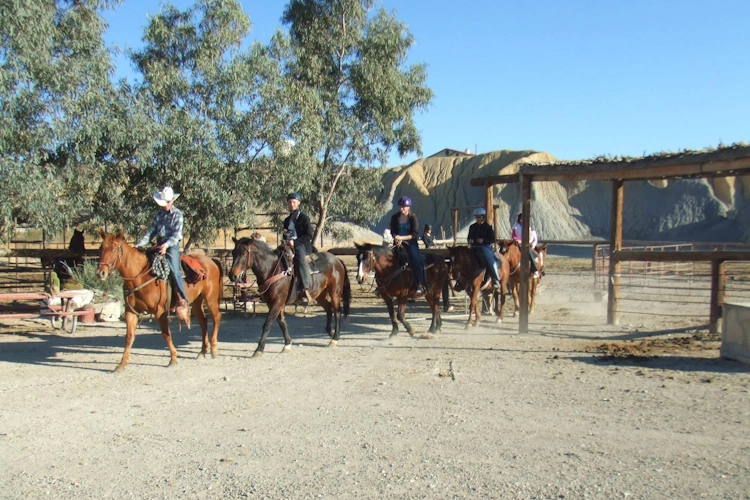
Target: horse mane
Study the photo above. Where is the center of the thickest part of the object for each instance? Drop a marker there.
(262, 245)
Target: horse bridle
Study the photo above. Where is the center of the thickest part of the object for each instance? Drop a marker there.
(111, 265)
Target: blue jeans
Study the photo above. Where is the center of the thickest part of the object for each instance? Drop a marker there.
(173, 260)
(489, 259)
(415, 259)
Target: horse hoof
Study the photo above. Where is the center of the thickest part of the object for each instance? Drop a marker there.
(427, 336)
(499, 320)
(468, 326)
(214, 353)
(286, 349)
(393, 334)
(411, 333)
(333, 344)
(119, 369)
(258, 354)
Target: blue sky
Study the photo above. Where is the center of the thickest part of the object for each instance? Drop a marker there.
(573, 78)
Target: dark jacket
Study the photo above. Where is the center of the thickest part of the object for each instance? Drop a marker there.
(302, 228)
(413, 225)
(428, 240)
(481, 231)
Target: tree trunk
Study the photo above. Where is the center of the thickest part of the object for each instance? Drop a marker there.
(321, 221)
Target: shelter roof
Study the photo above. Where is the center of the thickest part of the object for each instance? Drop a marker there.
(712, 162)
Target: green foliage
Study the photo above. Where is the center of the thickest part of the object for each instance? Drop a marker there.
(354, 100)
(107, 290)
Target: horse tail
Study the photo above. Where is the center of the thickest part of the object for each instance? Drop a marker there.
(221, 278)
(347, 291)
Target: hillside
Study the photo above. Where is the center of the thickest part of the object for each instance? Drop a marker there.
(680, 210)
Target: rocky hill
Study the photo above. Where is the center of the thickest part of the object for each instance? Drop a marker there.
(679, 210)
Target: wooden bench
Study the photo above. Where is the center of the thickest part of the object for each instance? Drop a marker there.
(43, 309)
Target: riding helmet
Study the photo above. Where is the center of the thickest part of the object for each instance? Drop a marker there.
(404, 201)
(480, 211)
(294, 196)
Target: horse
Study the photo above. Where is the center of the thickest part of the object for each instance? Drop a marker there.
(470, 276)
(395, 282)
(62, 266)
(274, 271)
(512, 251)
(145, 294)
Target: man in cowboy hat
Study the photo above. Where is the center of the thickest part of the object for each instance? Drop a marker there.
(298, 234)
(167, 229)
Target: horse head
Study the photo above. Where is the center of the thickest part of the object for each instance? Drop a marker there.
(462, 264)
(242, 258)
(365, 261)
(110, 254)
(77, 242)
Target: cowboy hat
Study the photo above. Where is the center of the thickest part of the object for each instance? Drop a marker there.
(165, 196)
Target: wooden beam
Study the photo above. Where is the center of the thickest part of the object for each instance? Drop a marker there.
(523, 299)
(718, 286)
(494, 179)
(677, 256)
(489, 204)
(455, 226)
(615, 244)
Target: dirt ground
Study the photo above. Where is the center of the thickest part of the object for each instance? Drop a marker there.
(574, 409)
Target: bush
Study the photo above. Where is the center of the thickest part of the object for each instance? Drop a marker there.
(104, 291)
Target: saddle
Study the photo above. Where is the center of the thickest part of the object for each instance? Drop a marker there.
(193, 270)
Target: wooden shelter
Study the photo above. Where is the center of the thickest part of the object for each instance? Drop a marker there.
(719, 162)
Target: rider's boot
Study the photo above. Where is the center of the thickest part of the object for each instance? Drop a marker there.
(420, 289)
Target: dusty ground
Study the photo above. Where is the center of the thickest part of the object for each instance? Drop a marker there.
(575, 409)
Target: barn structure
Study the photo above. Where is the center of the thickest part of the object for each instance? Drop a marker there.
(719, 162)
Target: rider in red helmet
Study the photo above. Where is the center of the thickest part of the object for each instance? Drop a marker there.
(405, 231)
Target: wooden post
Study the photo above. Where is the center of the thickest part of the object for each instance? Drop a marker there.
(718, 285)
(496, 219)
(523, 299)
(615, 245)
(489, 203)
(455, 227)
(593, 259)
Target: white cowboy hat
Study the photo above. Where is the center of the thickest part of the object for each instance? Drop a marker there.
(165, 196)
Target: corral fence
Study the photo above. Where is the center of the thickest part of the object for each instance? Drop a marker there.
(681, 288)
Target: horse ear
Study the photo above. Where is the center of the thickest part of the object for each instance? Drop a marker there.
(103, 233)
(359, 247)
(234, 239)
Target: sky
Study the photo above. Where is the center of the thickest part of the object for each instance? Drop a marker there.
(576, 78)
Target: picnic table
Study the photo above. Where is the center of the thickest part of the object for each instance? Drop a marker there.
(43, 309)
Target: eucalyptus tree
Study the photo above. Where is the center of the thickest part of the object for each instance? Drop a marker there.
(54, 86)
(357, 106)
(217, 110)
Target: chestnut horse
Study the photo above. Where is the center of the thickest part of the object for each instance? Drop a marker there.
(275, 282)
(512, 251)
(470, 275)
(394, 281)
(145, 294)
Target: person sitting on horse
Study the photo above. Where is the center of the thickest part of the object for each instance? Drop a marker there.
(481, 237)
(404, 229)
(298, 235)
(166, 228)
(516, 235)
(427, 238)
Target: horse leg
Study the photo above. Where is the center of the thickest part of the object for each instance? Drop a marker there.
(336, 307)
(433, 299)
(131, 322)
(163, 321)
(273, 313)
(532, 295)
(402, 315)
(200, 315)
(500, 304)
(212, 302)
(326, 305)
(285, 331)
(392, 315)
(514, 288)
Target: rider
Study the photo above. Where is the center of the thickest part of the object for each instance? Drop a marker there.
(427, 238)
(481, 237)
(404, 229)
(516, 235)
(167, 229)
(298, 234)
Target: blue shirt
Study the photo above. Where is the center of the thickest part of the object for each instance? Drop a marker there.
(166, 228)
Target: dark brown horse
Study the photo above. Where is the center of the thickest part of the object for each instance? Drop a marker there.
(395, 282)
(330, 286)
(512, 251)
(470, 276)
(145, 294)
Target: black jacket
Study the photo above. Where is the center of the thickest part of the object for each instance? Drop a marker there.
(428, 240)
(413, 225)
(481, 231)
(302, 228)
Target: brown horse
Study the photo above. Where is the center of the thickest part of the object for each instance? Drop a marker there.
(330, 286)
(145, 294)
(512, 251)
(470, 276)
(394, 281)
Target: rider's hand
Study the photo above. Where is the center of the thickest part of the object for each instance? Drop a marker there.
(163, 249)
(480, 241)
(291, 243)
(471, 242)
(397, 239)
